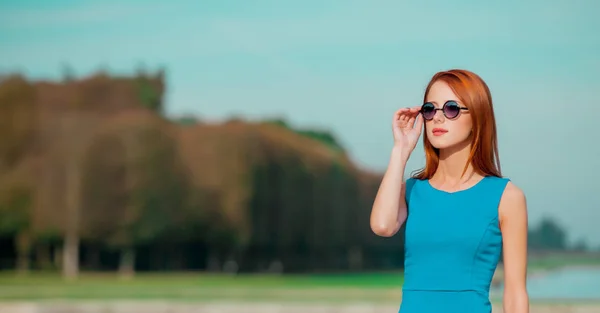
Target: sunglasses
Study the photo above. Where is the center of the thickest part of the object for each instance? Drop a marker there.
(451, 109)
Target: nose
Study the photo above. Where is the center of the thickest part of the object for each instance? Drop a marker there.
(438, 117)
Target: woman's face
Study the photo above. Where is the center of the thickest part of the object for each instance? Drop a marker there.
(441, 131)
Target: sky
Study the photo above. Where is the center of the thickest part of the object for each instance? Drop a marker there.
(346, 66)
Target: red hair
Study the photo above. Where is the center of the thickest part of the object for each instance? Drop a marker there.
(474, 93)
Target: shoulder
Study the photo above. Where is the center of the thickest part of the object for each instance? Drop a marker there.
(513, 202)
(513, 194)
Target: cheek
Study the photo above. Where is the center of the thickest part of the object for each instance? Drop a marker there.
(460, 130)
(464, 125)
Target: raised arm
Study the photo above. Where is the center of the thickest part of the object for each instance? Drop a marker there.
(389, 208)
(513, 223)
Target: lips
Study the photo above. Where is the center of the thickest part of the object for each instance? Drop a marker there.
(439, 131)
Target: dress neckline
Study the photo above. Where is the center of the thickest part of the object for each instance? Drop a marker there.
(458, 191)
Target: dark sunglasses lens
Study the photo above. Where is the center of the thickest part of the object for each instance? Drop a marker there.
(428, 111)
(451, 109)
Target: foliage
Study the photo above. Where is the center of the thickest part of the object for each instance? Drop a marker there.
(322, 136)
(148, 96)
(18, 120)
(253, 193)
(187, 120)
(548, 235)
(14, 210)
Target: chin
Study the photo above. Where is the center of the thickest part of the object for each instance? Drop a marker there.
(443, 142)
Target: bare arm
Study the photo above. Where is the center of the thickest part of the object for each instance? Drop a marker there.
(389, 209)
(513, 222)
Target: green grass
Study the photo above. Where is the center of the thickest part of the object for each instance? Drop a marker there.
(369, 280)
(371, 287)
(194, 286)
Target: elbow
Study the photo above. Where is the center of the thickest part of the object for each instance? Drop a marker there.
(384, 226)
(383, 230)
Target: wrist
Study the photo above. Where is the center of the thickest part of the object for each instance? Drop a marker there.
(399, 154)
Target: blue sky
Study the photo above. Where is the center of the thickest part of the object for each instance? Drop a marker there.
(347, 66)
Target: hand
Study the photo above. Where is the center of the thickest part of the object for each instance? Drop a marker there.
(407, 126)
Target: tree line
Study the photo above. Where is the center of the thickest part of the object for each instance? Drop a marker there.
(93, 176)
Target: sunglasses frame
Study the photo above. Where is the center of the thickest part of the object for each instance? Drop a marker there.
(446, 104)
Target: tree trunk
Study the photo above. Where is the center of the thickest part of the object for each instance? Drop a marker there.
(127, 263)
(70, 264)
(73, 195)
(71, 240)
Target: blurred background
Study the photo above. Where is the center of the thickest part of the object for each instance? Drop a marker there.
(223, 156)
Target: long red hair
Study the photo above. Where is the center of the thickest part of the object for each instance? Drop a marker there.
(474, 93)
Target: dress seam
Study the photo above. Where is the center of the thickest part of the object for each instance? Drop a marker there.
(487, 229)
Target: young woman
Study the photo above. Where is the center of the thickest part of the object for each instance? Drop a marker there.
(461, 215)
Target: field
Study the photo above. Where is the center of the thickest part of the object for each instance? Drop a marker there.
(198, 292)
(195, 286)
(383, 286)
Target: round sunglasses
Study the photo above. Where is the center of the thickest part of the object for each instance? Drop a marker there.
(451, 109)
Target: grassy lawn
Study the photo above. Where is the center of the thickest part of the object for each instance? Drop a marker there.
(370, 287)
(194, 286)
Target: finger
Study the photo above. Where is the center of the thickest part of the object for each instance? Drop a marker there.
(411, 121)
(399, 113)
(419, 123)
(406, 112)
(397, 121)
(403, 121)
(412, 117)
(413, 111)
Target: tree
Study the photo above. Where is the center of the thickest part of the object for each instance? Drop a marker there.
(15, 204)
(18, 129)
(134, 187)
(71, 133)
(548, 235)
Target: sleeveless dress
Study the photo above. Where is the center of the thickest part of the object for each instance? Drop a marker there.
(452, 247)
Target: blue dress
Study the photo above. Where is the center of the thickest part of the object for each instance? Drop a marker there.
(452, 247)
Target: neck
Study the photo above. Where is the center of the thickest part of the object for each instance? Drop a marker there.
(452, 163)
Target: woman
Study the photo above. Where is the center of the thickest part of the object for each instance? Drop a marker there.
(460, 214)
